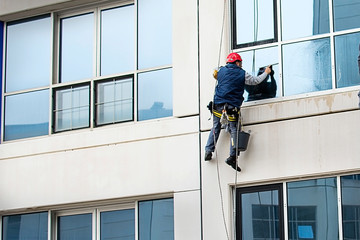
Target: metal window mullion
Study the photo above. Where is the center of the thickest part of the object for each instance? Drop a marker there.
(53, 70)
(339, 208)
(279, 44)
(135, 77)
(286, 230)
(137, 220)
(332, 44)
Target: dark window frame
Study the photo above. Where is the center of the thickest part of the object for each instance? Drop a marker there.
(96, 124)
(235, 45)
(238, 210)
(53, 108)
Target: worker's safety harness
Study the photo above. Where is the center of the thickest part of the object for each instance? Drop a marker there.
(226, 114)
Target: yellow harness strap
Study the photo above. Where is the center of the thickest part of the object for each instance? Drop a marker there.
(231, 118)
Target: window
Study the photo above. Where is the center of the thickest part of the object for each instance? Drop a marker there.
(114, 101)
(155, 94)
(307, 44)
(260, 18)
(154, 33)
(118, 224)
(259, 213)
(312, 209)
(350, 191)
(25, 226)
(156, 219)
(27, 78)
(346, 14)
(347, 47)
(26, 115)
(314, 15)
(117, 40)
(72, 108)
(74, 227)
(76, 44)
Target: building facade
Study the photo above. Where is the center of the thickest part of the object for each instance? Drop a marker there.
(104, 120)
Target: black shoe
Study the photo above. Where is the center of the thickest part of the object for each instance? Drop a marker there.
(208, 156)
(232, 162)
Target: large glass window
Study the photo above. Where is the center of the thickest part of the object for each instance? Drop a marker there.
(346, 14)
(154, 33)
(306, 45)
(118, 225)
(117, 40)
(155, 94)
(156, 219)
(254, 62)
(26, 115)
(28, 54)
(309, 18)
(307, 67)
(259, 214)
(114, 101)
(260, 19)
(77, 47)
(346, 54)
(32, 226)
(312, 209)
(350, 195)
(74, 227)
(72, 108)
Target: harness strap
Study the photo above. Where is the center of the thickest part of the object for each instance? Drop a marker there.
(231, 117)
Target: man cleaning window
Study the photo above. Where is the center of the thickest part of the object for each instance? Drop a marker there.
(229, 98)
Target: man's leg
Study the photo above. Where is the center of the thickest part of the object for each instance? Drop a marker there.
(231, 160)
(213, 137)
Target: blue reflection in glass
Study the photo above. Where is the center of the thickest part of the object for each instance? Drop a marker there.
(254, 60)
(156, 220)
(259, 18)
(346, 54)
(28, 54)
(154, 33)
(155, 94)
(346, 14)
(350, 199)
(307, 67)
(75, 227)
(313, 204)
(77, 47)
(114, 101)
(311, 17)
(117, 40)
(32, 226)
(118, 225)
(26, 115)
(72, 108)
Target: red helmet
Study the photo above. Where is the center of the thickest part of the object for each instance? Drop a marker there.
(233, 57)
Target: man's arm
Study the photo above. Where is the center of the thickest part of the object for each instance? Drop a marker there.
(252, 80)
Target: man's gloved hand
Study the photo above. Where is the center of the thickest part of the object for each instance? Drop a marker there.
(268, 69)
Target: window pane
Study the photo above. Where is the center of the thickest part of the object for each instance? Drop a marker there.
(253, 62)
(346, 14)
(77, 44)
(155, 94)
(26, 115)
(117, 40)
(350, 194)
(312, 209)
(28, 47)
(259, 15)
(346, 54)
(25, 227)
(154, 33)
(307, 67)
(75, 227)
(310, 17)
(72, 108)
(260, 215)
(156, 220)
(119, 225)
(114, 101)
